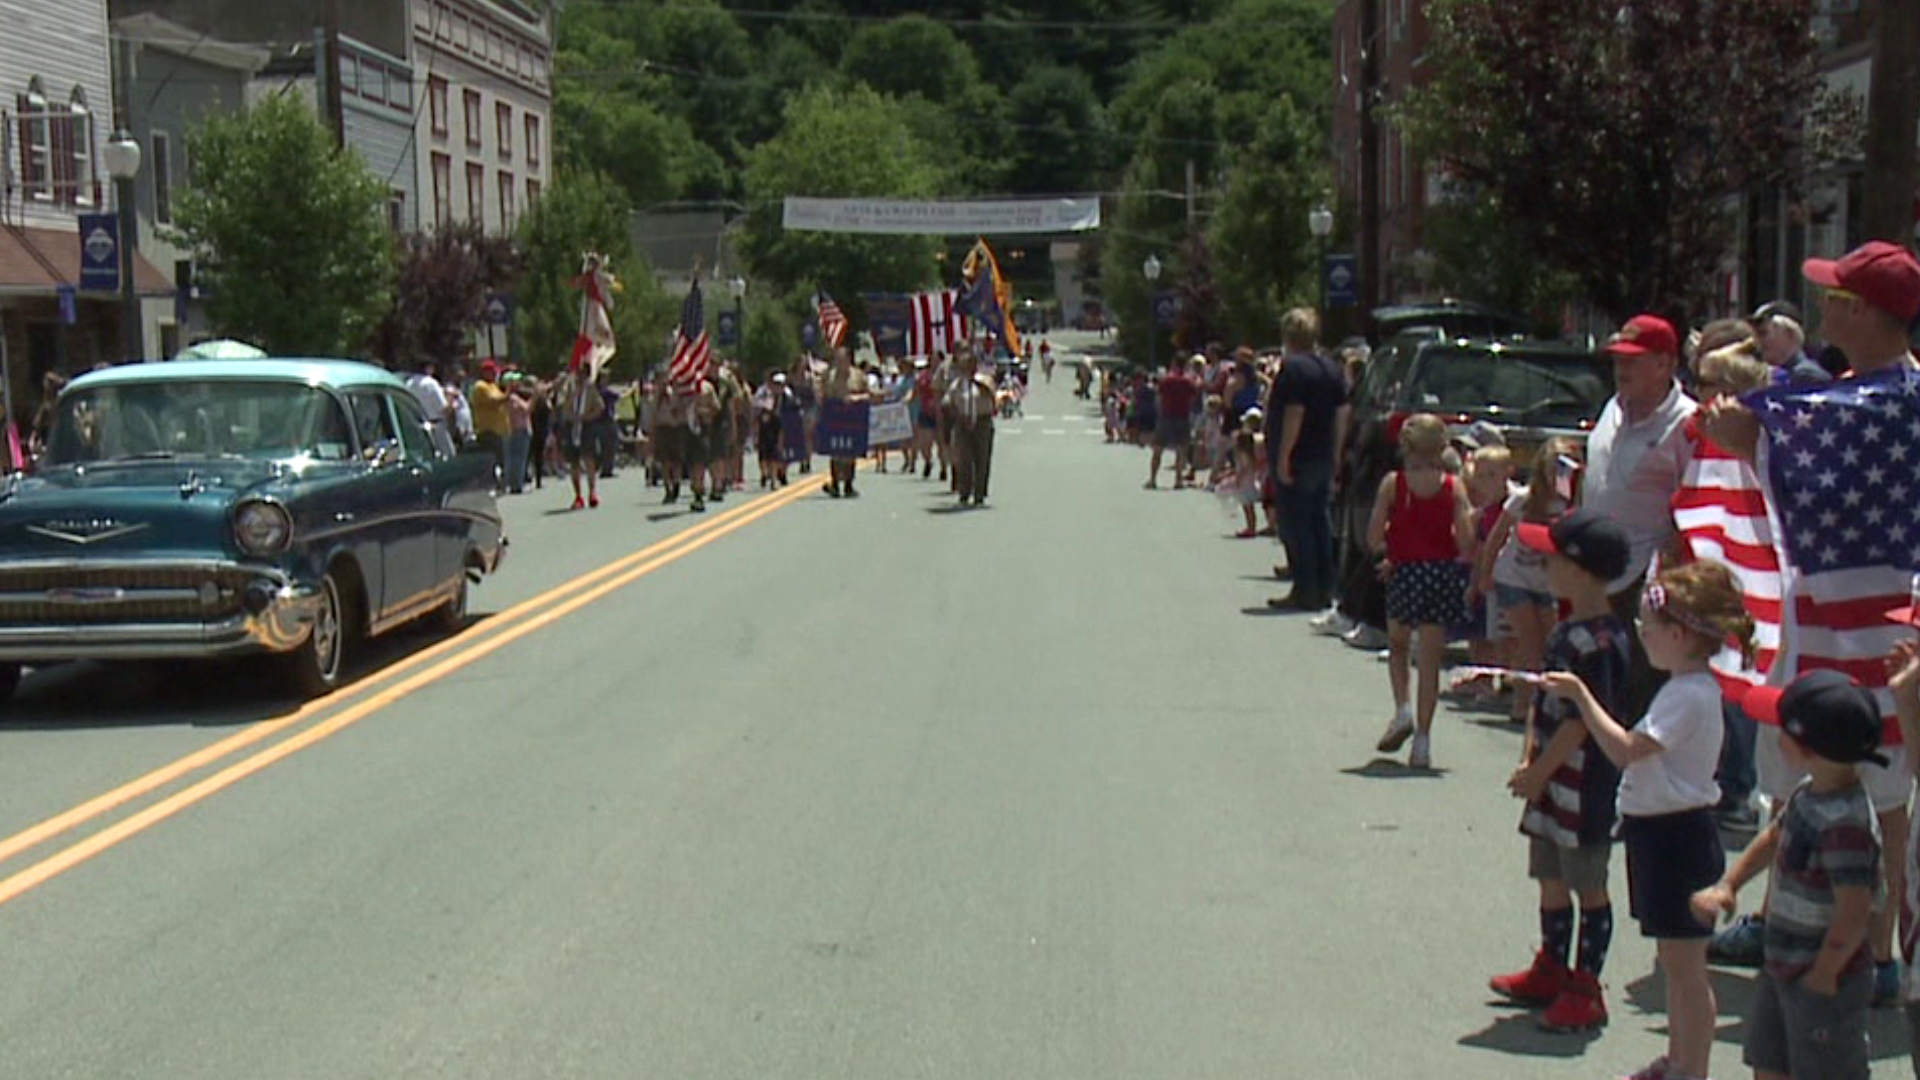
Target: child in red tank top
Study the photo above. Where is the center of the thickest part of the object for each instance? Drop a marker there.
(1422, 530)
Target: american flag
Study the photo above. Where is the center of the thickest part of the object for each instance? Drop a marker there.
(691, 351)
(1842, 471)
(833, 321)
(938, 325)
(1721, 513)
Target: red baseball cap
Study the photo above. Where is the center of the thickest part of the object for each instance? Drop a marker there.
(1645, 334)
(1884, 275)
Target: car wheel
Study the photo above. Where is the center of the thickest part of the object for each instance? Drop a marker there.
(315, 668)
(9, 680)
(451, 617)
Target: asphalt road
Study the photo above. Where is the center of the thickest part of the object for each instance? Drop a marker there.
(862, 790)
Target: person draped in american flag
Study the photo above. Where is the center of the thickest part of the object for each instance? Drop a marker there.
(1837, 462)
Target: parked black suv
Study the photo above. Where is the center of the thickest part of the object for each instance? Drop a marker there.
(1531, 390)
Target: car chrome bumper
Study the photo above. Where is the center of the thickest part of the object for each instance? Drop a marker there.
(258, 610)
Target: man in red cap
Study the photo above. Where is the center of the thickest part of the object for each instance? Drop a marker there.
(491, 424)
(1636, 457)
(1869, 300)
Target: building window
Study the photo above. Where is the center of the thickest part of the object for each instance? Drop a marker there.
(442, 189)
(36, 146)
(477, 194)
(82, 122)
(397, 211)
(533, 140)
(506, 201)
(503, 129)
(437, 104)
(162, 172)
(471, 100)
(400, 91)
(533, 192)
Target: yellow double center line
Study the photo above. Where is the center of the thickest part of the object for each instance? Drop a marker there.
(388, 687)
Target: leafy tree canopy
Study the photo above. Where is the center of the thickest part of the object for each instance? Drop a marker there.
(840, 143)
(580, 213)
(306, 272)
(1609, 135)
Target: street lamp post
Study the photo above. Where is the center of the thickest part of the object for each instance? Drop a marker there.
(1320, 223)
(738, 286)
(122, 155)
(1151, 268)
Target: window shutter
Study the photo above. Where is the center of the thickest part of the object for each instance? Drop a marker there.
(28, 181)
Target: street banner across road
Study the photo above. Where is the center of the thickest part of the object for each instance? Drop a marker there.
(900, 217)
(842, 429)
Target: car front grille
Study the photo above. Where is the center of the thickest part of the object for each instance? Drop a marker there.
(97, 596)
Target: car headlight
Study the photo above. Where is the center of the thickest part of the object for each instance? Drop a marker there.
(262, 528)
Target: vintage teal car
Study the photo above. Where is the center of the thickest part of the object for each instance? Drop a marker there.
(224, 507)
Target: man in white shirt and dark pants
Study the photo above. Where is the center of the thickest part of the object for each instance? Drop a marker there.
(1635, 458)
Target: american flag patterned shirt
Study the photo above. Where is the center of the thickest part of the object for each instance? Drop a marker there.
(1576, 808)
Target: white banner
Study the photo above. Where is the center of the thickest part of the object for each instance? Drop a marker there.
(982, 217)
(889, 423)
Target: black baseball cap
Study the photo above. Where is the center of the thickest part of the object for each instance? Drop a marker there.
(1594, 542)
(1825, 711)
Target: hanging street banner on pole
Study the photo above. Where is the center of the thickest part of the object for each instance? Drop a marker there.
(100, 252)
(903, 217)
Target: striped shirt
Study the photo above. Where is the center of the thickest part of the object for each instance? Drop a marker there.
(1828, 840)
(1576, 808)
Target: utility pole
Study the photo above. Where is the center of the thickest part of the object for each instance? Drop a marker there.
(1892, 180)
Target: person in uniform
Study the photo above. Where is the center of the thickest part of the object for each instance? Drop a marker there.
(843, 382)
(969, 406)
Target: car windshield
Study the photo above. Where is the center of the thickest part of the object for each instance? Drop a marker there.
(189, 418)
(1524, 388)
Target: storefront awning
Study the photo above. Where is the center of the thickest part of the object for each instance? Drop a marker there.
(36, 262)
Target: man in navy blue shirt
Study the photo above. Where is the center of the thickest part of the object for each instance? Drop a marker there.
(1306, 420)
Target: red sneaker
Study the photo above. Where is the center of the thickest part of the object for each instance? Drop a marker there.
(1537, 985)
(594, 502)
(1579, 1006)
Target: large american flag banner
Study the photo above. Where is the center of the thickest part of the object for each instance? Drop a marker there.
(833, 321)
(1721, 513)
(1841, 467)
(938, 324)
(692, 353)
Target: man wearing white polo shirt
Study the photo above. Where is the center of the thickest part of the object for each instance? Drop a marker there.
(1635, 458)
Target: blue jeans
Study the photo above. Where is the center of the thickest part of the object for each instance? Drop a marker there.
(518, 443)
(1306, 528)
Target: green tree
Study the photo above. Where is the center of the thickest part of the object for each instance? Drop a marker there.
(1064, 143)
(843, 144)
(1263, 252)
(586, 212)
(289, 229)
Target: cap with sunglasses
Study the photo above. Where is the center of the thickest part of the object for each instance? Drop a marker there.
(1887, 276)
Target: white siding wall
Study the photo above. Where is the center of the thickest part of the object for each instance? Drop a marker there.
(64, 43)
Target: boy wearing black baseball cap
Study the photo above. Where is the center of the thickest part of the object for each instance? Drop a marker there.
(1809, 1014)
(1568, 784)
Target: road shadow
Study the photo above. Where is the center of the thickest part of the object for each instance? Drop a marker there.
(956, 508)
(98, 695)
(667, 515)
(1383, 768)
(1520, 1034)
